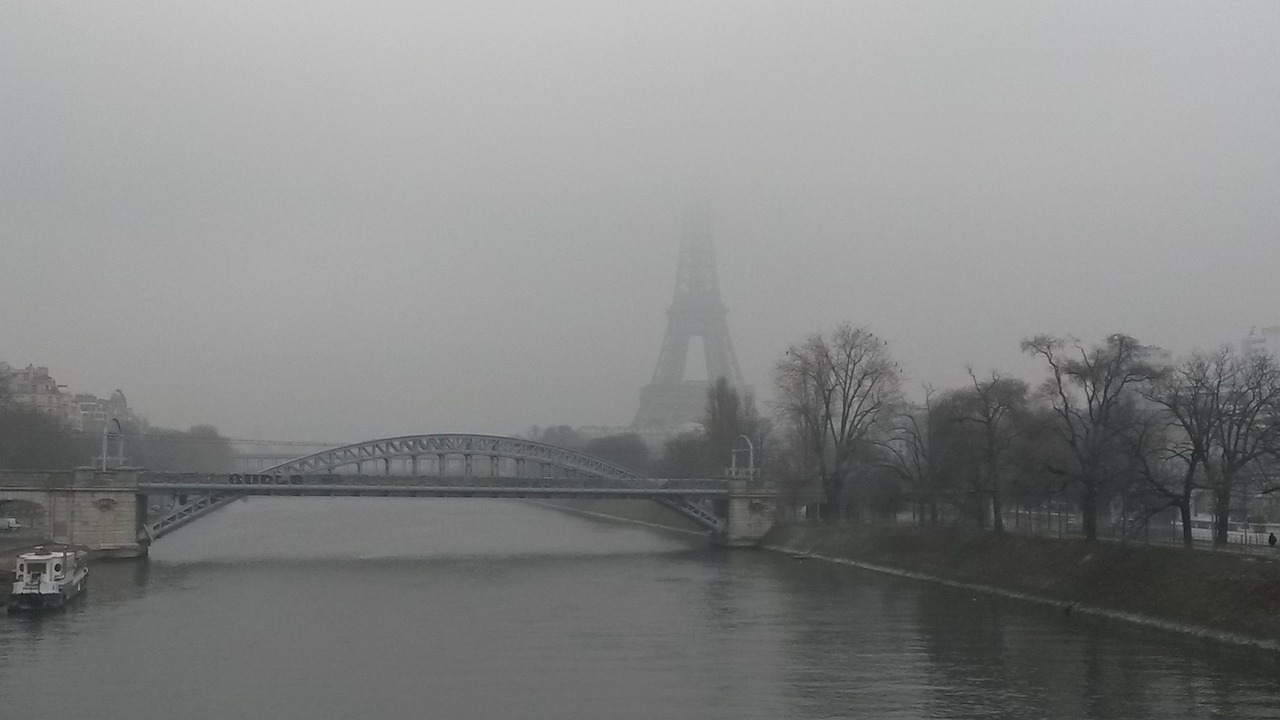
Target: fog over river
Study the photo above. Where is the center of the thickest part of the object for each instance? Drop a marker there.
(319, 608)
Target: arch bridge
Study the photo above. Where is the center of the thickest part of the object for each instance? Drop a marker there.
(736, 511)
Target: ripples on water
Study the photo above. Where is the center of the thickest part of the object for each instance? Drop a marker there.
(309, 608)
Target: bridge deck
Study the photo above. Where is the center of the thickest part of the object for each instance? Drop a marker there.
(210, 492)
(334, 485)
(350, 490)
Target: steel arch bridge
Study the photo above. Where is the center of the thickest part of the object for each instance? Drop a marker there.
(460, 465)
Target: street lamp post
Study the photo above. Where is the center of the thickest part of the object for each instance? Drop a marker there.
(106, 434)
(120, 445)
(751, 457)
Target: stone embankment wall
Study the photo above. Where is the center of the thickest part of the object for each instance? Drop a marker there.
(1229, 596)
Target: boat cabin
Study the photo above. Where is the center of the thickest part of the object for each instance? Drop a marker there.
(47, 578)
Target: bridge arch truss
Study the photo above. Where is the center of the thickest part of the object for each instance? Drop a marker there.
(482, 460)
(467, 448)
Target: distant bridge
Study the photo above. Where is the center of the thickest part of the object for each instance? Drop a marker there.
(736, 511)
(463, 465)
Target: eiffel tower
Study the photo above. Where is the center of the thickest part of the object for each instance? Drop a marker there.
(669, 399)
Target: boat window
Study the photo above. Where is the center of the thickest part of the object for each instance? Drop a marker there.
(57, 567)
(22, 567)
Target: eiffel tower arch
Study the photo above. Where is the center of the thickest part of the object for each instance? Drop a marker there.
(670, 399)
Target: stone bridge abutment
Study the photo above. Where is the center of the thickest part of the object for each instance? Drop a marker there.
(95, 509)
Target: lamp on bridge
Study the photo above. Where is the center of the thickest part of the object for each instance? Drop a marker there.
(750, 450)
(107, 434)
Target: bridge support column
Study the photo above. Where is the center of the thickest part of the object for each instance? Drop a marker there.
(107, 513)
(752, 504)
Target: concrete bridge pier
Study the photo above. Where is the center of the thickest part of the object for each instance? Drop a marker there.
(752, 504)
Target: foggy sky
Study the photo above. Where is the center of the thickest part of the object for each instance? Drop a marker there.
(338, 221)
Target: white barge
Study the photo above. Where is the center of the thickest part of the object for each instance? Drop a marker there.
(48, 579)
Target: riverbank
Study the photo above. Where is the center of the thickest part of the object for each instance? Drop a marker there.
(1230, 597)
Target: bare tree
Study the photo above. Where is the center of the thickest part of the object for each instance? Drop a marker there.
(834, 392)
(1223, 408)
(791, 469)
(1036, 460)
(1151, 467)
(1174, 446)
(909, 454)
(993, 408)
(729, 417)
(1090, 393)
(1247, 430)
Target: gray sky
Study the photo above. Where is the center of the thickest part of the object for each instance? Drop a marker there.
(322, 220)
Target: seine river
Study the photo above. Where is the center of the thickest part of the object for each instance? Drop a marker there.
(315, 608)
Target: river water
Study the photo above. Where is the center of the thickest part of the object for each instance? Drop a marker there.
(372, 608)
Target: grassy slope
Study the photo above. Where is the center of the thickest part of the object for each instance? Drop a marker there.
(1223, 592)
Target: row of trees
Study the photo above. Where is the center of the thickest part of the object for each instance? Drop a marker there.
(729, 417)
(625, 450)
(1115, 425)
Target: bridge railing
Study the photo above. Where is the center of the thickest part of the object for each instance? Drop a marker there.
(193, 481)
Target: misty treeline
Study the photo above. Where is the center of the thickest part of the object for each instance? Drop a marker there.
(732, 430)
(1117, 433)
(31, 439)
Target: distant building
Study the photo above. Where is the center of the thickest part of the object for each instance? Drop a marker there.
(1265, 339)
(93, 413)
(34, 387)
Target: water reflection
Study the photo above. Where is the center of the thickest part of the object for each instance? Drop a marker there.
(868, 645)
(489, 610)
(995, 657)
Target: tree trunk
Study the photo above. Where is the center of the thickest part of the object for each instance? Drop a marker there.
(997, 518)
(831, 498)
(1221, 513)
(1184, 509)
(1089, 511)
